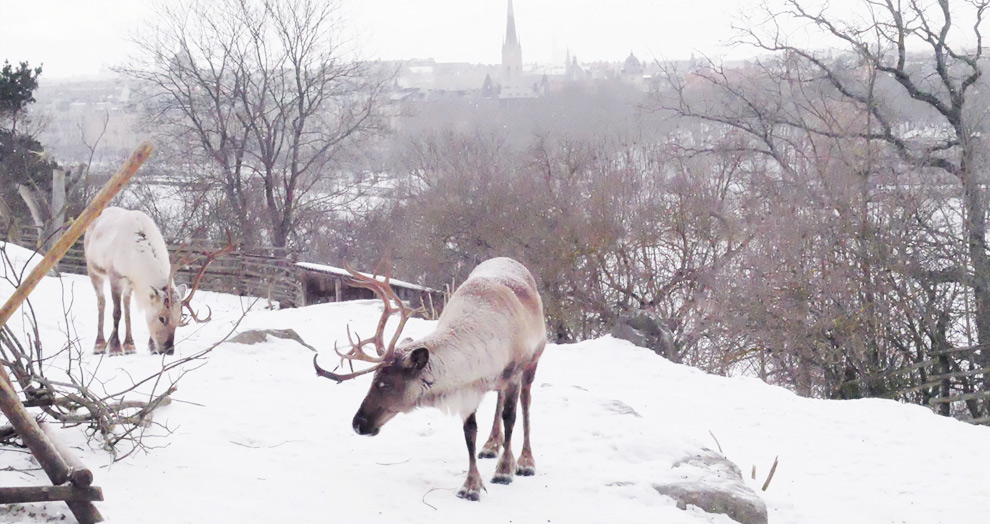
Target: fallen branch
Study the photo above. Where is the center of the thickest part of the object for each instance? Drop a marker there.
(79, 475)
(773, 469)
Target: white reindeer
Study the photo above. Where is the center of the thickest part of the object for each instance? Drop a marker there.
(489, 338)
(126, 247)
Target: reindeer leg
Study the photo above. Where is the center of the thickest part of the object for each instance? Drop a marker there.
(128, 339)
(115, 335)
(526, 466)
(101, 302)
(472, 485)
(490, 449)
(507, 464)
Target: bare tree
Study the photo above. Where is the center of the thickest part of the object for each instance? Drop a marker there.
(880, 142)
(611, 226)
(263, 98)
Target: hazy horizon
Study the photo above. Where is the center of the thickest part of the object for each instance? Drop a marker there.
(84, 39)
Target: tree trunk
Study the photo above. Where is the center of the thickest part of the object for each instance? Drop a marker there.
(976, 231)
(32, 204)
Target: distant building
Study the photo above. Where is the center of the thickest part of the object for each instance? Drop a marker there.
(513, 85)
(572, 69)
(632, 66)
(632, 70)
(83, 113)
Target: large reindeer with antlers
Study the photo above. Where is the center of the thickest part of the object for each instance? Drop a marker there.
(489, 338)
(127, 248)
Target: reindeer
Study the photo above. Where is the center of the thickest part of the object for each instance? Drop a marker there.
(126, 247)
(489, 338)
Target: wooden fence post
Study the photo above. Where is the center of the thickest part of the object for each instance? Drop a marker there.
(26, 426)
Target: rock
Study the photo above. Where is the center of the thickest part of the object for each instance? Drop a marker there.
(257, 336)
(714, 484)
(646, 330)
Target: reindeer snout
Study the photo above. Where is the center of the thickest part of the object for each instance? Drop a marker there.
(363, 426)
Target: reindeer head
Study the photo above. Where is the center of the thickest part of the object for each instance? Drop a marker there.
(164, 315)
(168, 303)
(398, 381)
(396, 388)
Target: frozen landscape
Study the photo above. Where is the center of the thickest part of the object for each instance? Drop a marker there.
(254, 436)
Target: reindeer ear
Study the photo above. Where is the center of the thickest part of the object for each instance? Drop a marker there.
(181, 292)
(154, 293)
(416, 359)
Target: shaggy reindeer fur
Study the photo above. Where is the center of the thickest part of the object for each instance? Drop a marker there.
(489, 338)
(126, 247)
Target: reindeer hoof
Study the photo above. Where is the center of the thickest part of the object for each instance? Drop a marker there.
(100, 349)
(502, 478)
(129, 349)
(469, 494)
(526, 471)
(488, 453)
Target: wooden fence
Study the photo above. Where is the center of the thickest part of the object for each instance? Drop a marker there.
(949, 381)
(268, 273)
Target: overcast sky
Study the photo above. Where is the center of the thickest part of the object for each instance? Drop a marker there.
(81, 37)
(73, 37)
(472, 31)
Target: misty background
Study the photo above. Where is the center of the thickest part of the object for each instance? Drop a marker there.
(780, 189)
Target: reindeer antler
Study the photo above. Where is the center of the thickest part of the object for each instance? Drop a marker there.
(186, 259)
(391, 304)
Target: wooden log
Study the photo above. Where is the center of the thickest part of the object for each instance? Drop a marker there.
(79, 475)
(23, 495)
(41, 447)
(57, 469)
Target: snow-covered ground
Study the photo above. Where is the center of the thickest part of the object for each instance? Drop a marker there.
(254, 436)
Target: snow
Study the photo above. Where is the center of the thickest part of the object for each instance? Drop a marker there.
(257, 437)
(331, 270)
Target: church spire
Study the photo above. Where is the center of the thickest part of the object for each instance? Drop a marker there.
(510, 28)
(511, 78)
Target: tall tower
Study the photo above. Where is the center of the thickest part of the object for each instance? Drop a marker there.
(511, 54)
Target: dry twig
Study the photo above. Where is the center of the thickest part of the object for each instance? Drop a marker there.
(773, 469)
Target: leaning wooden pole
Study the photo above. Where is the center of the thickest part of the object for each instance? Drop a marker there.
(62, 245)
(26, 426)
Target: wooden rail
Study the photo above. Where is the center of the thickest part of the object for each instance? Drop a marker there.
(268, 273)
(945, 381)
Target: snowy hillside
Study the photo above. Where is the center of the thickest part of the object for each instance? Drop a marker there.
(256, 437)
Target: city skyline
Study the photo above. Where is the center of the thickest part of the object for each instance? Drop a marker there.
(76, 39)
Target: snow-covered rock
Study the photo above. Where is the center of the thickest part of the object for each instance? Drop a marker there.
(715, 484)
